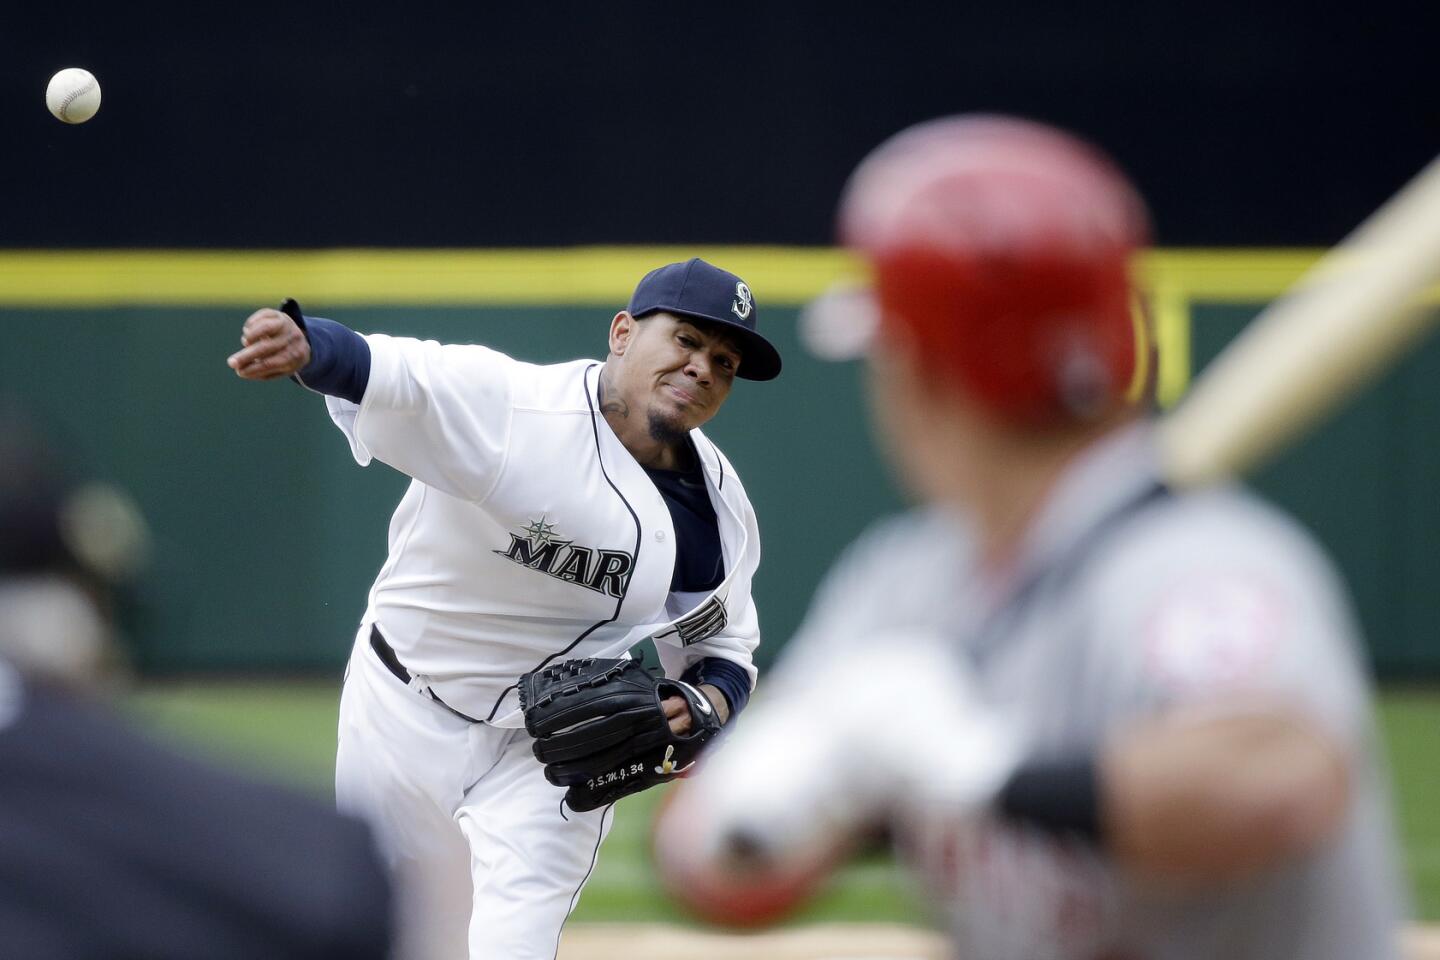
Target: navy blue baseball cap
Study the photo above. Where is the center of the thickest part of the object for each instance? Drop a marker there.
(702, 291)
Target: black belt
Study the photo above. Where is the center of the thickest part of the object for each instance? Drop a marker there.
(386, 653)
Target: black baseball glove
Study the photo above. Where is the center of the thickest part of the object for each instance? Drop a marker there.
(600, 730)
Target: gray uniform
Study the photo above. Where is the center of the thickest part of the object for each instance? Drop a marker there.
(1125, 601)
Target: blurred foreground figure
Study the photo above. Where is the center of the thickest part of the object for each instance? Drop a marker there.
(1103, 719)
(109, 845)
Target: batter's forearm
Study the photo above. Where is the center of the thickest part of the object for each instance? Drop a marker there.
(1212, 800)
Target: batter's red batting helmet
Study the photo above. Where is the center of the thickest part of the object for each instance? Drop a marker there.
(1004, 248)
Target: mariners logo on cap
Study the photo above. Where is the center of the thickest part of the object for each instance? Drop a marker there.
(744, 303)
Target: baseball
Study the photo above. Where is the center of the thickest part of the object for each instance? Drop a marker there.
(73, 95)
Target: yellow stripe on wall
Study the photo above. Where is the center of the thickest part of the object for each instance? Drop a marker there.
(578, 275)
(581, 275)
(605, 276)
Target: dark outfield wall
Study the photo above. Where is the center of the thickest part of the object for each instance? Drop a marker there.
(262, 124)
(269, 535)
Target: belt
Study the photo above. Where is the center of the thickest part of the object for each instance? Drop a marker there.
(386, 653)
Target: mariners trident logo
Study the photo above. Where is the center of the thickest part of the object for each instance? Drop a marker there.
(538, 547)
(743, 302)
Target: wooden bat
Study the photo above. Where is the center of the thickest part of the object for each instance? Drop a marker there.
(1357, 309)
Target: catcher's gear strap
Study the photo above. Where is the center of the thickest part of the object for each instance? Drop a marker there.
(1069, 563)
(1062, 795)
(727, 676)
(339, 357)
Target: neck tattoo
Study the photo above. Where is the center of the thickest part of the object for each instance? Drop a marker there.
(610, 401)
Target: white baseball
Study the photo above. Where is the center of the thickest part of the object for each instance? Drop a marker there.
(73, 95)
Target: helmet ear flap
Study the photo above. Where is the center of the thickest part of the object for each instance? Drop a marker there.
(1083, 383)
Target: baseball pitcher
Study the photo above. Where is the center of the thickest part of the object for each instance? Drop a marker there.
(558, 515)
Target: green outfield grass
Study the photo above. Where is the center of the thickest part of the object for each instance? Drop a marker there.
(1410, 723)
(286, 732)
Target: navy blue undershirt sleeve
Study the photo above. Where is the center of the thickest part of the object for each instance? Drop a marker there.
(339, 357)
(728, 677)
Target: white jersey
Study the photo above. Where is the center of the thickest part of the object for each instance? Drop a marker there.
(530, 533)
(1123, 604)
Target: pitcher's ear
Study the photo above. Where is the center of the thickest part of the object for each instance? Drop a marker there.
(622, 329)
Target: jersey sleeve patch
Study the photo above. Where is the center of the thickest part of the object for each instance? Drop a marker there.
(1218, 632)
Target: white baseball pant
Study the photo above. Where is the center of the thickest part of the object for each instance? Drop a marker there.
(475, 837)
